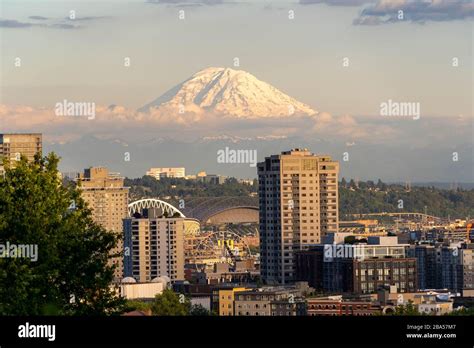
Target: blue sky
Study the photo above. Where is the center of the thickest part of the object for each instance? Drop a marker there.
(303, 57)
(409, 60)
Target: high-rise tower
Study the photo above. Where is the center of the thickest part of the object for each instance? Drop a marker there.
(298, 200)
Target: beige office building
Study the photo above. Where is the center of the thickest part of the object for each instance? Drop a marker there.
(298, 200)
(105, 194)
(13, 146)
(167, 172)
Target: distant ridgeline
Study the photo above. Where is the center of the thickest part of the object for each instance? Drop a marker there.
(354, 198)
(148, 186)
(369, 197)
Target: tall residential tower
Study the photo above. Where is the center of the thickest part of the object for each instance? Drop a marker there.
(108, 199)
(298, 200)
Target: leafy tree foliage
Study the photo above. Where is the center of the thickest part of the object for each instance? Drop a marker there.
(380, 198)
(198, 310)
(71, 275)
(132, 305)
(407, 309)
(148, 186)
(168, 303)
(462, 312)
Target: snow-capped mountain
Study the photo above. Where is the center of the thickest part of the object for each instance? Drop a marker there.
(229, 92)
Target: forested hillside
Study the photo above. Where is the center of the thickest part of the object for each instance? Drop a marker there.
(360, 197)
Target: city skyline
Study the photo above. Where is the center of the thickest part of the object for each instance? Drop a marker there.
(291, 163)
(305, 249)
(363, 62)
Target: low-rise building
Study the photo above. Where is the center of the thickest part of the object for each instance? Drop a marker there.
(290, 307)
(167, 172)
(212, 179)
(220, 273)
(132, 290)
(272, 301)
(223, 299)
(435, 302)
(336, 306)
(435, 307)
(257, 302)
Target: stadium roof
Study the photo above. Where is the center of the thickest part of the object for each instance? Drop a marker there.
(204, 208)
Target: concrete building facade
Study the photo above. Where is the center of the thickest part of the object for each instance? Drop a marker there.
(14, 145)
(223, 299)
(298, 203)
(154, 246)
(257, 302)
(444, 266)
(107, 197)
(361, 268)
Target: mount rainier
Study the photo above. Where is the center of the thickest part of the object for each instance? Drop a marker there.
(228, 92)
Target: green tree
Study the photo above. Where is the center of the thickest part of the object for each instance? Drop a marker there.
(168, 303)
(198, 310)
(131, 305)
(352, 184)
(462, 312)
(343, 182)
(381, 186)
(438, 202)
(71, 275)
(407, 309)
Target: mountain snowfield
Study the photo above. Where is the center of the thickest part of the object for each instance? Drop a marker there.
(228, 92)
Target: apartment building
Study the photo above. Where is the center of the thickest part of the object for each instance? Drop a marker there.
(298, 200)
(357, 268)
(257, 302)
(223, 299)
(272, 301)
(154, 245)
(444, 265)
(15, 145)
(107, 197)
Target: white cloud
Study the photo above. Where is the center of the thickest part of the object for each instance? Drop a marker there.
(118, 121)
